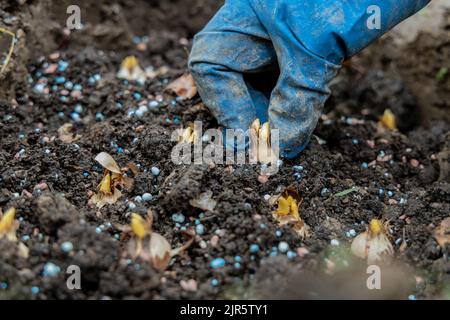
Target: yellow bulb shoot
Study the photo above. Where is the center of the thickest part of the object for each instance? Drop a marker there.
(130, 63)
(105, 184)
(7, 221)
(288, 206)
(375, 227)
(139, 226)
(388, 120)
(283, 207)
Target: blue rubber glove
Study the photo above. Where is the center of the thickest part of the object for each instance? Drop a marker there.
(307, 40)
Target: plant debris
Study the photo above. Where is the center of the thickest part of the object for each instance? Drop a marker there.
(184, 87)
(151, 246)
(204, 201)
(442, 233)
(67, 133)
(130, 70)
(113, 179)
(287, 212)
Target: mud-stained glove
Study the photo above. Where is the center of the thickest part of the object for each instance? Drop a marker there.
(307, 40)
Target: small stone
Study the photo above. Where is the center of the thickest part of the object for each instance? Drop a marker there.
(215, 241)
(203, 244)
(414, 163)
(190, 285)
(302, 251)
(263, 179)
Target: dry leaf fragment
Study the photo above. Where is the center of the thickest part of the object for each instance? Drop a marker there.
(204, 201)
(373, 244)
(183, 87)
(107, 162)
(442, 233)
(67, 134)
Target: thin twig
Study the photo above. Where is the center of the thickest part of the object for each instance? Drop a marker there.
(11, 48)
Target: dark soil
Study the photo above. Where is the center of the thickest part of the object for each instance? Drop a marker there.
(59, 211)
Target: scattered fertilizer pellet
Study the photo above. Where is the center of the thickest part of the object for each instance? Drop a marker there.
(66, 246)
(147, 197)
(51, 270)
(131, 206)
(334, 242)
(291, 254)
(324, 192)
(351, 233)
(214, 282)
(155, 171)
(200, 229)
(254, 248)
(178, 217)
(217, 263)
(283, 247)
(34, 290)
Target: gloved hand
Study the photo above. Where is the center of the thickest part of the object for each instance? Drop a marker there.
(307, 40)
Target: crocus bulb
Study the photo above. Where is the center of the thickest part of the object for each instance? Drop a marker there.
(373, 244)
